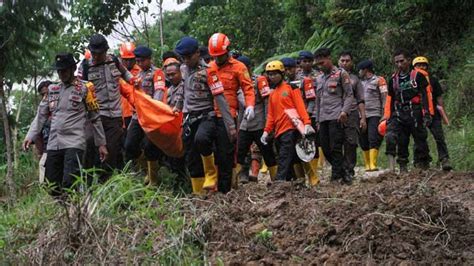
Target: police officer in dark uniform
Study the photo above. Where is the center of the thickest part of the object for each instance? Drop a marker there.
(69, 104)
(201, 88)
(151, 80)
(334, 102)
(356, 120)
(104, 72)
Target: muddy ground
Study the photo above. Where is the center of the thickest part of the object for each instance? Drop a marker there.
(418, 218)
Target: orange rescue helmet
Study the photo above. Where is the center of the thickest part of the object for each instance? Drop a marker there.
(382, 128)
(126, 50)
(87, 54)
(170, 61)
(218, 44)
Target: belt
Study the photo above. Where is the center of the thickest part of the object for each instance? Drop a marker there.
(407, 107)
(209, 112)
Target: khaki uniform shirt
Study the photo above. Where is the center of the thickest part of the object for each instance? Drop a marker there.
(105, 77)
(197, 93)
(358, 91)
(66, 106)
(373, 89)
(258, 122)
(176, 96)
(333, 95)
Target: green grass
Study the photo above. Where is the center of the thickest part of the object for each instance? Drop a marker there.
(119, 221)
(460, 142)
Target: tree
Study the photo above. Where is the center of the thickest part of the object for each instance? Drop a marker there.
(100, 15)
(24, 24)
(251, 26)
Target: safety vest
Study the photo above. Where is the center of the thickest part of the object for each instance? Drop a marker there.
(429, 91)
(417, 98)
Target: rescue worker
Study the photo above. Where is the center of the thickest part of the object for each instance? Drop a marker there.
(375, 93)
(307, 89)
(69, 104)
(104, 72)
(356, 120)
(409, 112)
(151, 80)
(283, 98)
(421, 64)
(128, 59)
(234, 76)
(251, 130)
(203, 90)
(334, 101)
(390, 139)
(253, 159)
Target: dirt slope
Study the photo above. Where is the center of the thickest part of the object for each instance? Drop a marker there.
(416, 218)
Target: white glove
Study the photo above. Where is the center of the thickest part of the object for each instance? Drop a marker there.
(308, 130)
(249, 113)
(263, 138)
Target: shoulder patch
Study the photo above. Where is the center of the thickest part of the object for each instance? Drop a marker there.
(54, 87)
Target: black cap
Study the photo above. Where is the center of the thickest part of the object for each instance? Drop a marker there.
(186, 46)
(288, 62)
(366, 64)
(305, 55)
(142, 52)
(64, 61)
(98, 44)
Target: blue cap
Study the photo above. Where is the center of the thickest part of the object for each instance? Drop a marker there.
(244, 60)
(305, 55)
(366, 64)
(186, 46)
(142, 51)
(288, 62)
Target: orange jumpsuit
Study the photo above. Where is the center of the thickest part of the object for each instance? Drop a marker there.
(285, 97)
(234, 75)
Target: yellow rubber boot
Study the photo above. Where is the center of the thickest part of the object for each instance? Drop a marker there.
(366, 155)
(321, 159)
(312, 174)
(235, 176)
(197, 183)
(152, 173)
(273, 172)
(374, 153)
(314, 164)
(299, 171)
(210, 171)
(264, 168)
